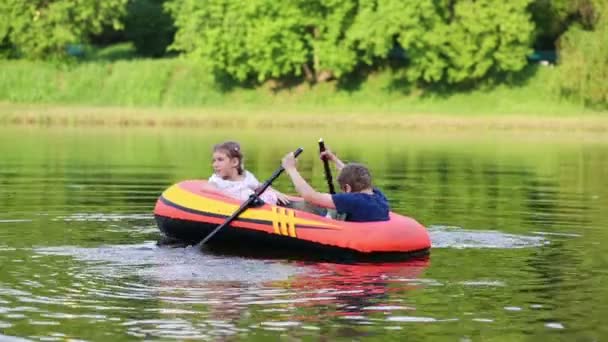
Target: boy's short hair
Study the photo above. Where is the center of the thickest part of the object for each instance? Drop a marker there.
(356, 175)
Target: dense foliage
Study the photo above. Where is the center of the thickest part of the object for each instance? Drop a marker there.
(149, 27)
(444, 41)
(584, 58)
(427, 42)
(45, 28)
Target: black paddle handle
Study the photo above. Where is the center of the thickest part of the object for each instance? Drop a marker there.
(330, 181)
(275, 175)
(250, 200)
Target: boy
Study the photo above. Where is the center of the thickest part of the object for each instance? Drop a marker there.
(360, 201)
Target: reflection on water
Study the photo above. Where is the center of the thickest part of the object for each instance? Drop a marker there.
(183, 281)
(519, 239)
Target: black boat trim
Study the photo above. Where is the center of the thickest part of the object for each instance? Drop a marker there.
(200, 212)
(256, 243)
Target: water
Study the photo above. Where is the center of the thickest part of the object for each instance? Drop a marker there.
(518, 227)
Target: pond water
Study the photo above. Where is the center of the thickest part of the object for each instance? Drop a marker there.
(518, 227)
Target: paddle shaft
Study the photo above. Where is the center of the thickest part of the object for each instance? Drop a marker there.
(328, 177)
(250, 200)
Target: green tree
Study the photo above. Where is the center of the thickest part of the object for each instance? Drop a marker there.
(445, 41)
(149, 27)
(267, 39)
(554, 17)
(260, 38)
(448, 41)
(486, 37)
(327, 25)
(583, 59)
(43, 28)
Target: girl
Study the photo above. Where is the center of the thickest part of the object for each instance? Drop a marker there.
(230, 177)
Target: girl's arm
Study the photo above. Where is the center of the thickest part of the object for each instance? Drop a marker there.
(281, 197)
(210, 186)
(270, 195)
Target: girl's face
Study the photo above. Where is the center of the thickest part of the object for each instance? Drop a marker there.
(224, 166)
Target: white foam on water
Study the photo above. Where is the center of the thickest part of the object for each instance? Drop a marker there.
(457, 237)
(414, 319)
(15, 220)
(103, 217)
(557, 234)
(32, 322)
(310, 327)
(354, 317)
(281, 324)
(173, 264)
(483, 320)
(495, 283)
(289, 301)
(388, 308)
(513, 308)
(7, 338)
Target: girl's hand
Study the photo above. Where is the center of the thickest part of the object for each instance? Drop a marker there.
(282, 198)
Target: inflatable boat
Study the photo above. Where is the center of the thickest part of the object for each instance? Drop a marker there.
(187, 212)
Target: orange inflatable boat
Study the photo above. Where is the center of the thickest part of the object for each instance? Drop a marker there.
(187, 213)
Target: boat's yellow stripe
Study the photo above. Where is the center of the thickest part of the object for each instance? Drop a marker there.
(291, 225)
(283, 219)
(275, 221)
(282, 225)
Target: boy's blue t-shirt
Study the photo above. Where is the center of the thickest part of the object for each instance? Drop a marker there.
(361, 207)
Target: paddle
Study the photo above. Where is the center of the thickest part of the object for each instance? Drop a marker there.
(249, 201)
(330, 182)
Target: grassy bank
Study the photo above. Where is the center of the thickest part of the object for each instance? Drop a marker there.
(423, 124)
(176, 83)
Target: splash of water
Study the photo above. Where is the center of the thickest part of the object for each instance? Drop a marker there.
(173, 264)
(457, 237)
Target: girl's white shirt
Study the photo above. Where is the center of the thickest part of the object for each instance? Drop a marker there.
(242, 189)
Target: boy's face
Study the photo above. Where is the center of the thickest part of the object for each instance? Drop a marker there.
(223, 165)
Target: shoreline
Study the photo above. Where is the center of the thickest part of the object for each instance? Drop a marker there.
(134, 117)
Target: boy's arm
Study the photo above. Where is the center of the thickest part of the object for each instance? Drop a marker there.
(307, 192)
(339, 164)
(331, 156)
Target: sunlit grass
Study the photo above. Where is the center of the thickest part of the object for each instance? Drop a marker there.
(178, 83)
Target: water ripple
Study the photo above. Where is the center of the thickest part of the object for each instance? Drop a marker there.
(103, 217)
(456, 237)
(409, 319)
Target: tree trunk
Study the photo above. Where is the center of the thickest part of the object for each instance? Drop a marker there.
(308, 73)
